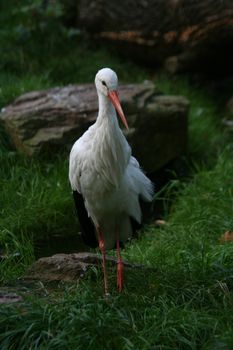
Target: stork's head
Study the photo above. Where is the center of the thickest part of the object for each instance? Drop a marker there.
(106, 83)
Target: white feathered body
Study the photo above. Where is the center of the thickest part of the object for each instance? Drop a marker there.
(108, 177)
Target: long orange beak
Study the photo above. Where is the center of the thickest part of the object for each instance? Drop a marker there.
(113, 96)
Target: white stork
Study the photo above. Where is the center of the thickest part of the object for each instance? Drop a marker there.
(106, 180)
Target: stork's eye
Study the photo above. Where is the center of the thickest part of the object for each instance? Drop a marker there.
(104, 83)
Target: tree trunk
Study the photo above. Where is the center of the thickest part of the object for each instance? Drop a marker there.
(181, 34)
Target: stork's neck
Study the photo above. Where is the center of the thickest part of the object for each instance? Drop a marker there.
(111, 147)
(107, 111)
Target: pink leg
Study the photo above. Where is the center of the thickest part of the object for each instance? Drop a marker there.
(120, 266)
(102, 249)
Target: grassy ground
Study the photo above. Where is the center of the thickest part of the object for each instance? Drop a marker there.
(185, 300)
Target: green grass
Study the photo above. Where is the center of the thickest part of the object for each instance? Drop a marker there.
(35, 202)
(184, 303)
(184, 299)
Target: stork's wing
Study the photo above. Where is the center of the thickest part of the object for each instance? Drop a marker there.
(75, 166)
(87, 226)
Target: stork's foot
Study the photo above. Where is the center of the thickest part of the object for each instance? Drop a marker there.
(120, 279)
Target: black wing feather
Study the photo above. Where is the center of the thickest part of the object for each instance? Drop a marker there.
(87, 226)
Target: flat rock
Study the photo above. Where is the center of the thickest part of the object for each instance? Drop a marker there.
(8, 296)
(44, 122)
(68, 267)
